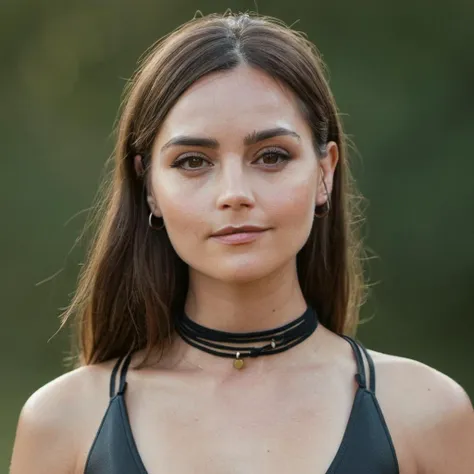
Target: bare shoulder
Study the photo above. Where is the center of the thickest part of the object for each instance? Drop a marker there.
(432, 410)
(57, 418)
(426, 387)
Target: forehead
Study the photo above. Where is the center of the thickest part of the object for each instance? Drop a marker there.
(241, 100)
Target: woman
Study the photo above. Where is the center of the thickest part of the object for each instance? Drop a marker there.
(225, 277)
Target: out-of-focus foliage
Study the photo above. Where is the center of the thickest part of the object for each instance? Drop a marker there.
(403, 75)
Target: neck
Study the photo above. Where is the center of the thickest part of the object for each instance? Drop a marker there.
(247, 307)
(260, 305)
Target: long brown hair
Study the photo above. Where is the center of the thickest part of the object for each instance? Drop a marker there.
(133, 281)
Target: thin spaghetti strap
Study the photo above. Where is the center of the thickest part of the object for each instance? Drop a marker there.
(123, 375)
(371, 369)
(360, 375)
(113, 376)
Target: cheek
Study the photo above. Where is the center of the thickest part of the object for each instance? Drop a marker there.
(293, 205)
(184, 223)
(184, 214)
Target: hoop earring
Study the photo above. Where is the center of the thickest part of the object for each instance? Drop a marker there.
(151, 225)
(327, 205)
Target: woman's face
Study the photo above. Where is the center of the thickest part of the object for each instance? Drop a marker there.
(236, 151)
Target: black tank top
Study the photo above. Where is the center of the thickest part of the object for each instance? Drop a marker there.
(366, 446)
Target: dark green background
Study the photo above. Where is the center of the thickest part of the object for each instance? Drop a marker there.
(403, 75)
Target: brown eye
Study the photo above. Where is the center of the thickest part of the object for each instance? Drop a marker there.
(273, 158)
(194, 162)
(191, 163)
(270, 158)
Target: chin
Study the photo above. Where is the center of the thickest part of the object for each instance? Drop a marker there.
(243, 269)
(239, 276)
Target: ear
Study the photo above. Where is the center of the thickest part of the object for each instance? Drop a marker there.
(138, 164)
(327, 167)
(152, 202)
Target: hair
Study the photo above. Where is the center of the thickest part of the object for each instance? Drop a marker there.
(133, 281)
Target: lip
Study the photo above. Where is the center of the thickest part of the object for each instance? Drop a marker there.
(238, 230)
(238, 235)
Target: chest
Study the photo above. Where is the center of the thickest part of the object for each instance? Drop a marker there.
(279, 429)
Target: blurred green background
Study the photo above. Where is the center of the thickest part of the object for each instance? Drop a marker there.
(403, 75)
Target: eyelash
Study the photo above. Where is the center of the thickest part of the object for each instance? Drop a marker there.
(283, 155)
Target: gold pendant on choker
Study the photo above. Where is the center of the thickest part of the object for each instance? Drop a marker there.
(238, 363)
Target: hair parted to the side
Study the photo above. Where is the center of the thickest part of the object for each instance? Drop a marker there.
(133, 281)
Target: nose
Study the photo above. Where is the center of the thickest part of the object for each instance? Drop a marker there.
(234, 187)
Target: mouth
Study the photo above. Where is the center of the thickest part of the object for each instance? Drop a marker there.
(239, 235)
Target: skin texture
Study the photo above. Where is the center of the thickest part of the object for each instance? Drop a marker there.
(282, 413)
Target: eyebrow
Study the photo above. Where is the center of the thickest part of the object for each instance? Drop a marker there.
(250, 139)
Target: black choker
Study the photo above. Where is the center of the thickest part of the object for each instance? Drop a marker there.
(279, 339)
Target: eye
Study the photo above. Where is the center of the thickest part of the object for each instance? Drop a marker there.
(191, 162)
(273, 158)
